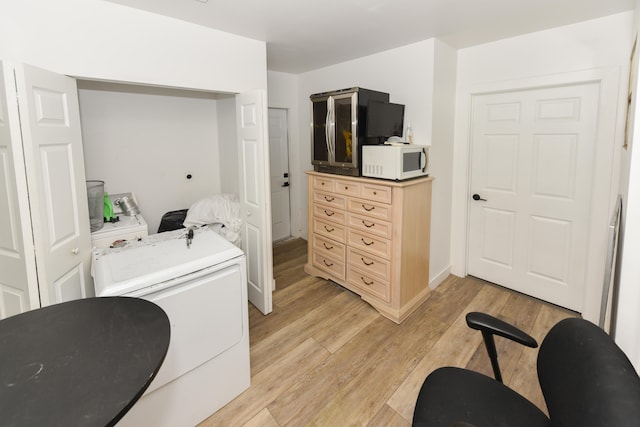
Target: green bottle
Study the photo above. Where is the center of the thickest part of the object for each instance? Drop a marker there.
(108, 208)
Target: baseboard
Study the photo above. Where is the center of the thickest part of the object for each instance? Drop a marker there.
(440, 277)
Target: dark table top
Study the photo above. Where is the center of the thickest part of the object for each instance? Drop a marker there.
(79, 363)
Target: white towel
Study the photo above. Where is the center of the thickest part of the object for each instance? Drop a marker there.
(221, 209)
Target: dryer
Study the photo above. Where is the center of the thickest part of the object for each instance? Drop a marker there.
(202, 288)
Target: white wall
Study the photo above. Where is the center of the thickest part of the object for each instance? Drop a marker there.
(441, 153)
(407, 74)
(627, 327)
(597, 49)
(96, 39)
(283, 93)
(228, 146)
(146, 140)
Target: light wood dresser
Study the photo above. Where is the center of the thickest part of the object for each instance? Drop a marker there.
(372, 237)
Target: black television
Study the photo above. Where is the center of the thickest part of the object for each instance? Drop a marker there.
(384, 119)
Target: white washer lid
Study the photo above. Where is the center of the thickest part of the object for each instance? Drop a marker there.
(156, 259)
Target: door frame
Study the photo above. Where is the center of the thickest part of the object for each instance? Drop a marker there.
(288, 156)
(605, 175)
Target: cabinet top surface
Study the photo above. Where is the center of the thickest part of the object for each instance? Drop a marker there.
(378, 181)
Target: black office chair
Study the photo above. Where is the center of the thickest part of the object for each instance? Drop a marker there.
(585, 378)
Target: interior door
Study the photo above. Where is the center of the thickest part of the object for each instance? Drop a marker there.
(18, 281)
(52, 142)
(255, 203)
(279, 161)
(531, 176)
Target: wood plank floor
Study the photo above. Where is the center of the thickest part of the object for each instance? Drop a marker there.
(326, 358)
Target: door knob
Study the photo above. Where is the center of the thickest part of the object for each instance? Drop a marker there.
(286, 184)
(477, 197)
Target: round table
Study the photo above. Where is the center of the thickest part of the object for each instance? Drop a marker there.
(79, 363)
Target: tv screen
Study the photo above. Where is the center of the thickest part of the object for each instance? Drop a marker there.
(384, 119)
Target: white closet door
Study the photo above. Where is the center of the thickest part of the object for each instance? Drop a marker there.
(18, 281)
(255, 206)
(52, 141)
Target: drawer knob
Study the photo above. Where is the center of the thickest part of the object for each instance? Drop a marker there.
(328, 213)
(328, 264)
(369, 225)
(329, 199)
(327, 247)
(364, 241)
(368, 209)
(329, 229)
(365, 282)
(365, 262)
(375, 193)
(346, 187)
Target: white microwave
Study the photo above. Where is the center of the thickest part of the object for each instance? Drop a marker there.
(397, 162)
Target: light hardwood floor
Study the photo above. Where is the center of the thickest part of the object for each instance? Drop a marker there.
(326, 358)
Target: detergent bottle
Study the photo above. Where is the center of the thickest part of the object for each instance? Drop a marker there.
(108, 209)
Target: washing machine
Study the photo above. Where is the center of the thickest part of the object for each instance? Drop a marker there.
(200, 282)
(127, 228)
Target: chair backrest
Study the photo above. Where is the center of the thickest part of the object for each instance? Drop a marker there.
(586, 379)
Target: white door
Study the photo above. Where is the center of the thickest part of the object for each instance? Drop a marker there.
(18, 280)
(531, 177)
(52, 142)
(255, 206)
(279, 161)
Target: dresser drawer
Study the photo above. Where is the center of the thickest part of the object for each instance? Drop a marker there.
(348, 188)
(323, 184)
(376, 193)
(328, 248)
(330, 199)
(369, 244)
(329, 229)
(373, 265)
(329, 214)
(368, 284)
(370, 209)
(330, 265)
(370, 225)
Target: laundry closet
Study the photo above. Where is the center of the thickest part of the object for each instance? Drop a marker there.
(138, 73)
(168, 147)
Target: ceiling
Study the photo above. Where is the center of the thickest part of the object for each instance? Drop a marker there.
(303, 35)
